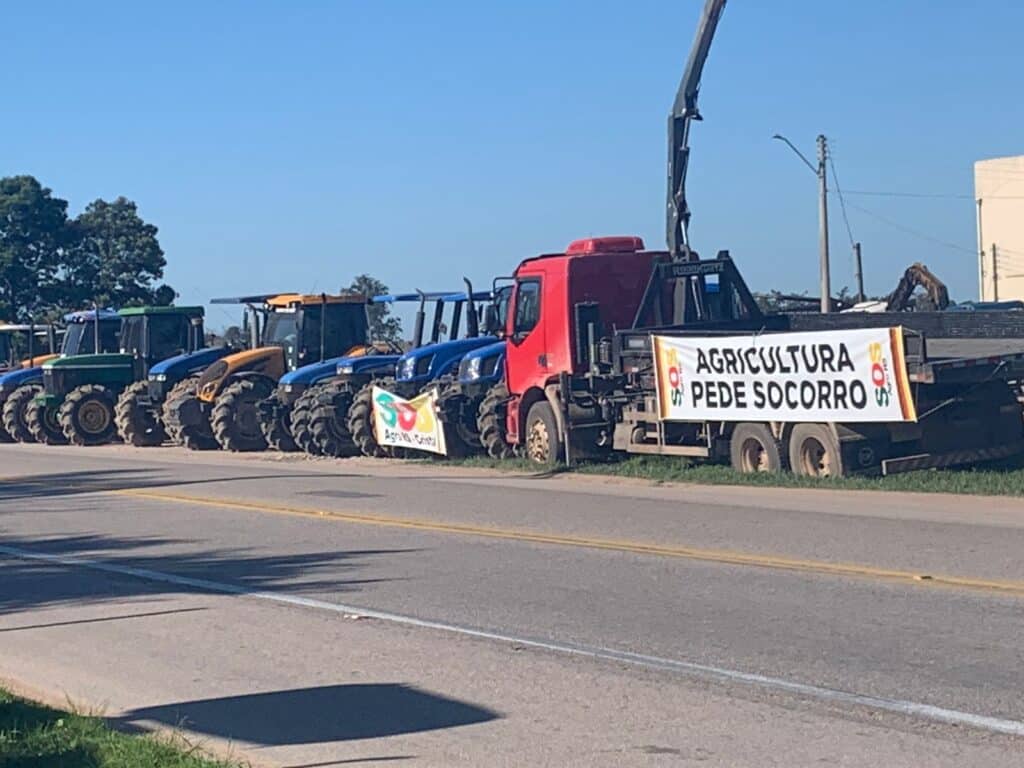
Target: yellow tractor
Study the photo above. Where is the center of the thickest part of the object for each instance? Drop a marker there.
(289, 331)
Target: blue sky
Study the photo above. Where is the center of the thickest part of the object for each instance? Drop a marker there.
(291, 145)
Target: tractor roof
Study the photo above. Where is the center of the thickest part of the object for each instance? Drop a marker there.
(135, 311)
(314, 299)
(89, 315)
(388, 298)
(39, 328)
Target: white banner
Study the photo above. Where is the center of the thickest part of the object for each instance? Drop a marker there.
(409, 424)
(854, 375)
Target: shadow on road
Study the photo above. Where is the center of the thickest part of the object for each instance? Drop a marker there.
(26, 583)
(316, 715)
(99, 481)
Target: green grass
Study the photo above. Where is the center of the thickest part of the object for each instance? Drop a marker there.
(34, 736)
(1005, 479)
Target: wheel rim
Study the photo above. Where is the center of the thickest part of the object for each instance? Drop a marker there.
(50, 420)
(753, 456)
(538, 442)
(93, 417)
(815, 459)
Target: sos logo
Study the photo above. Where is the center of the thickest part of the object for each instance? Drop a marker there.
(403, 415)
(880, 378)
(675, 378)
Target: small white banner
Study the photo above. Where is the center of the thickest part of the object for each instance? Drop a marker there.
(854, 375)
(412, 424)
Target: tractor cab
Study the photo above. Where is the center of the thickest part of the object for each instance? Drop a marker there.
(152, 334)
(88, 332)
(26, 345)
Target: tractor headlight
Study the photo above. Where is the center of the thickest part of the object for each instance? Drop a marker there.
(159, 377)
(346, 369)
(470, 369)
(288, 388)
(407, 369)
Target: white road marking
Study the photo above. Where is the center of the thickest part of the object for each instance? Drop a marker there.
(704, 671)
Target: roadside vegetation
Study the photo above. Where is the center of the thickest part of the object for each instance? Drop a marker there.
(34, 736)
(1004, 479)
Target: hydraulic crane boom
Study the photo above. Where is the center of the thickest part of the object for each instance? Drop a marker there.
(684, 111)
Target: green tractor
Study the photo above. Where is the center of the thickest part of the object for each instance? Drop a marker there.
(80, 392)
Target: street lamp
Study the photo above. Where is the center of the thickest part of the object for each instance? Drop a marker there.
(819, 171)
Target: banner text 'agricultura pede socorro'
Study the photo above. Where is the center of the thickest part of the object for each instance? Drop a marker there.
(412, 424)
(840, 376)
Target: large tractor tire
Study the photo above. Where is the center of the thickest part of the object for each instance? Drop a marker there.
(236, 417)
(360, 421)
(87, 415)
(460, 438)
(5, 434)
(278, 431)
(195, 437)
(490, 423)
(15, 414)
(302, 420)
(44, 425)
(136, 424)
(329, 421)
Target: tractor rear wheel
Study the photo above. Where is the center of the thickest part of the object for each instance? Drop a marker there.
(5, 434)
(15, 408)
(277, 431)
(302, 420)
(329, 426)
(197, 436)
(543, 443)
(87, 415)
(490, 422)
(136, 424)
(361, 424)
(236, 417)
(459, 439)
(43, 424)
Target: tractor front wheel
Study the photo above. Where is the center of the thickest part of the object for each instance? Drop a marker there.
(236, 417)
(490, 422)
(136, 424)
(277, 431)
(302, 420)
(195, 434)
(43, 424)
(15, 412)
(329, 425)
(87, 415)
(361, 423)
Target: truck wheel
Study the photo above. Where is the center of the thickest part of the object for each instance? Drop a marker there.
(301, 424)
(15, 412)
(277, 431)
(87, 415)
(753, 448)
(329, 421)
(814, 451)
(490, 422)
(43, 424)
(136, 424)
(236, 417)
(197, 436)
(543, 443)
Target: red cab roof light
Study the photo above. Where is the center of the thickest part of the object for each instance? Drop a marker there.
(620, 244)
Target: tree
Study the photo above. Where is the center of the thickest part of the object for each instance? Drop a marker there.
(33, 231)
(383, 327)
(114, 258)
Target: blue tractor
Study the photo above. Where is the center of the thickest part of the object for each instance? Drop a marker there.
(465, 399)
(86, 333)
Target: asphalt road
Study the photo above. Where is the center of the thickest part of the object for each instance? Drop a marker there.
(317, 613)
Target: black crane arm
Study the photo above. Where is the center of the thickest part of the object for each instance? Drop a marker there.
(684, 111)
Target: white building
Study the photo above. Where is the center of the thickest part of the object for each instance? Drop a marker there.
(999, 191)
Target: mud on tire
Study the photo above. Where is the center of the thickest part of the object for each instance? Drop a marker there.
(195, 437)
(235, 418)
(490, 422)
(329, 425)
(135, 424)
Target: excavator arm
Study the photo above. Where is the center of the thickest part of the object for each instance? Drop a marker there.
(684, 112)
(917, 276)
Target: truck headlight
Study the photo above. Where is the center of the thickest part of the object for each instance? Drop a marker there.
(407, 369)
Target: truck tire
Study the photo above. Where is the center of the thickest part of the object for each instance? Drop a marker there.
(135, 423)
(87, 415)
(195, 437)
(490, 423)
(15, 412)
(360, 421)
(302, 420)
(814, 451)
(329, 421)
(235, 418)
(543, 443)
(43, 424)
(753, 448)
(278, 432)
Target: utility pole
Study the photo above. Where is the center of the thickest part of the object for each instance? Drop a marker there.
(826, 287)
(859, 271)
(995, 275)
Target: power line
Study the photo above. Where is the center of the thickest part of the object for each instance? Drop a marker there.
(842, 202)
(915, 232)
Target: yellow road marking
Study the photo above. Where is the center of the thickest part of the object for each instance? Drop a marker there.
(727, 557)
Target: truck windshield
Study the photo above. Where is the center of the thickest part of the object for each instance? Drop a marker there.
(80, 338)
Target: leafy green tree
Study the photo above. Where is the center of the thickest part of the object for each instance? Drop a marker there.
(33, 231)
(114, 258)
(383, 326)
